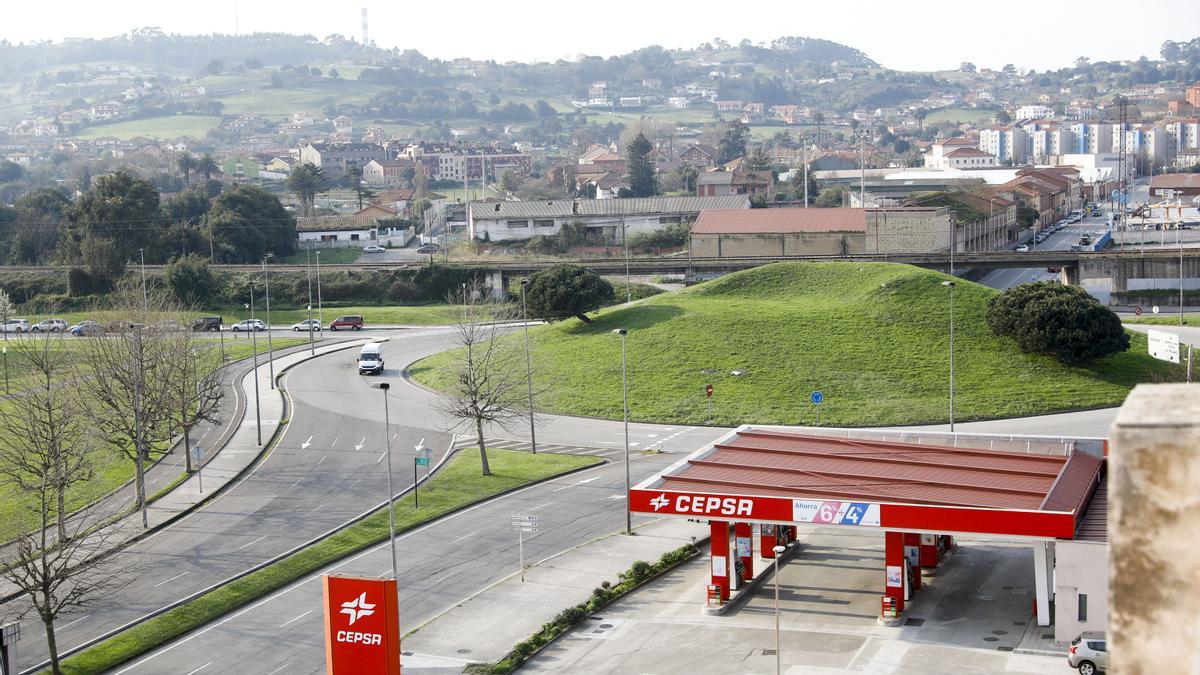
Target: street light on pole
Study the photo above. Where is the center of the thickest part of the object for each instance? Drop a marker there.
(320, 314)
(625, 240)
(254, 351)
(528, 364)
(625, 391)
(778, 552)
(950, 285)
(308, 275)
(270, 347)
(387, 436)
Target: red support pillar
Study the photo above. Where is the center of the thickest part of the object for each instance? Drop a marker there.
(793, 532)
(766, 540)
(893, 559)
(912, 551)
(743, 534)
(929, 551)
(719, 546)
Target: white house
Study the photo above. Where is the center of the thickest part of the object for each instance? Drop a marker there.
(500, 221)
(334, 231)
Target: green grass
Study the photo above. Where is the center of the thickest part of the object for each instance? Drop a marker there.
(1172, 320)
(959, 115)
(872, 337)
(275, 103)
(329, 256)
(459, 484)
(162, 128)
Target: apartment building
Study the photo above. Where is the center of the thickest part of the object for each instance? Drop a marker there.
(461, 162)
(1092, 137)
(1008, 144)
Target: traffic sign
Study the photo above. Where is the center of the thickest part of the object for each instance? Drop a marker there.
(1163, 346)
(422, 461)
(708, 390)
(816, 397)
(1155, 309)
(1137, 311)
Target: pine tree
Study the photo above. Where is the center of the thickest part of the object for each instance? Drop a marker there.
(643, 179)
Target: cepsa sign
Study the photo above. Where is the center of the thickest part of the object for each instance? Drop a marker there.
(362, 626)
(751, 507)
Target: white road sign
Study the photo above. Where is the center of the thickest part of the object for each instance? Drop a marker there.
(1164, 346)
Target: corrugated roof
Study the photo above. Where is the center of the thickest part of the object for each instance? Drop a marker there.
(334, 223)
(1175, 181)
(799, 466)
(766, 221)
(1093, 525)
(562, 208)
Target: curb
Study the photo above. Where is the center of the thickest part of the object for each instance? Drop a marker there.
(297, 549)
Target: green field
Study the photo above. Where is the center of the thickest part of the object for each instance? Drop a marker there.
(161, 128)
(872, 337)
(278, 103)
(111, 470)
(959, 115)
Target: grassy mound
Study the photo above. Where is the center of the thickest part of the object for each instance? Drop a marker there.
(874, 338)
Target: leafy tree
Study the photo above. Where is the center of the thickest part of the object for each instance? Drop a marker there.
(544, 110)
(354, 176)
(830, 197)
(190, 281)
(759, 160)
(1061, 321)
(112, 220)
(733, 144)
(1003, 117)
(207, 166)
(798, 191)
(567, 290)
(10, 171)
(643, 177)
(247, 222)
(186, 164)
(306, 181)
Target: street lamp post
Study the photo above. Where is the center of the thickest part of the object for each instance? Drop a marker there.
(950, 284)
(308, 275)
(387, 436)
(254, 351)
(270, 347)
(528, 364)
(145, 295)
(625, 240)
(320, 314)
(778, 662)
(625, 394)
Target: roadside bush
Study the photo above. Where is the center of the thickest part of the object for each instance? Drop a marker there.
(190, 281)
(567, 290)
(1061, 321)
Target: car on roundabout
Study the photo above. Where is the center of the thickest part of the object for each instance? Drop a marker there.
(308, 325)
(248, 325)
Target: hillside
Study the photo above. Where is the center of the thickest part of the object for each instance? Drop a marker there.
(873, 338)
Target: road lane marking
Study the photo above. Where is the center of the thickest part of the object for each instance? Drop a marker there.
(586, 480)
(201, 668)
(381, 456)
(314, 509)
(356, 482)
(285, 665)
(305, 444)
(296, 618)
(251, 543)
(360, 444)
(169, 580)
(540, 506)
(322, 459)
(333, 443)
(462, 537)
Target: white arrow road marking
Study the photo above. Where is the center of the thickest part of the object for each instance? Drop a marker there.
(305, 444)
(360, 444)
(586, 480)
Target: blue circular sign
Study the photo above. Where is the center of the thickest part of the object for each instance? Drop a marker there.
(817, 397)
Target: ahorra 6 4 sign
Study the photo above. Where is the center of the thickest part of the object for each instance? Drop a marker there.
(362, 626)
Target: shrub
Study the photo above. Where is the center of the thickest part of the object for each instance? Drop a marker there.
(1061, 321)
(567, 290)
(190, 281)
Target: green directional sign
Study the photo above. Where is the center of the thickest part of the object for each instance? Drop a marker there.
(422, 461)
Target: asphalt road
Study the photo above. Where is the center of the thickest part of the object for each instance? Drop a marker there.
(1062, 240)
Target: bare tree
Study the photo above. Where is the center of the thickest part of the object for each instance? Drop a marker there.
(131, 390)
(489, 371)
(44, 451)
(194, 378)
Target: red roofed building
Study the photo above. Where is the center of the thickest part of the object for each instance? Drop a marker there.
(794, 231)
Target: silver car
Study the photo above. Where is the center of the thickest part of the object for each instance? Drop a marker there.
(16, 326)
(49, 326)
(1089, 653)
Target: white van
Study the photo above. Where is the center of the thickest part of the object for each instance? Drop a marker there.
(370, 359)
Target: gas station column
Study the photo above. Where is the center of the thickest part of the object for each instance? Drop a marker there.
(743, 534)
(1043, 572)
(912, 551)
(719, 550)
(893, 559)
(929, 552)
(766, 540)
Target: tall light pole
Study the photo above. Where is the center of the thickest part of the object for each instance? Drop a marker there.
(1179, 241)
(528, 364)
(625, 391)
(625, 240)
(320, 314)
(254, 351)
(308, 275)
(951, 284)
(145, 295)
(387, 437)
(270, 348)
(778, 664)
(805, 161)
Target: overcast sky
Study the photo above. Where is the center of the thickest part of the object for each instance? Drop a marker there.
(910, 35)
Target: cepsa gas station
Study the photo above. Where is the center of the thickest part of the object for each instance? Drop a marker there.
(759, 489)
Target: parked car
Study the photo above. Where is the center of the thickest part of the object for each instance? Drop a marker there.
(1023, 248)
(16, 326)
(373, 249)
(1088, 653)
(85, 328)
(428, 249)
(352, 321)
(49, 326)
(308, 325)
(207, 323)
(170, 326)
(248, 325)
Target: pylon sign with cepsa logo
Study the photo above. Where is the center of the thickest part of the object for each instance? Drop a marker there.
(362, 626)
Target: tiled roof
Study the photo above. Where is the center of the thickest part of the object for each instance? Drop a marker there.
(562, 208)
(799, 466)
(773, 221)
(334, 223)
(968, 152)
(1167, 181)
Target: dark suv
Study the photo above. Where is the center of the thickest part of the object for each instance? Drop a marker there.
(352, 321)
(207, 324)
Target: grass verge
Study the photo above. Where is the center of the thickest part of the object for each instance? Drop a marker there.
(457, 485)
(1173, 320)
(873, 338)
(639, 573)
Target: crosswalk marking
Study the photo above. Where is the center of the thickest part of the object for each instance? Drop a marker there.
(524, 446)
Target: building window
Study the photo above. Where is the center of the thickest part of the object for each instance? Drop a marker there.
(518, 223)
(543, 223)
(1083, 606)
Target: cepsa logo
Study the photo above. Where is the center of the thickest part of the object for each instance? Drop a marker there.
(357, 609)
(706, 506)
(362, 628)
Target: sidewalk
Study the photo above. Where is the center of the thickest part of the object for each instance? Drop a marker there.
(508, 612)
(220, 469)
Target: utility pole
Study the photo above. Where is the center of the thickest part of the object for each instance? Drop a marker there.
(270, 347)
(145, 296)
